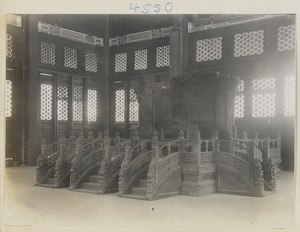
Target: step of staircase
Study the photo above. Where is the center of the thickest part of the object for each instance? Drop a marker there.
(139, 191)
(94, 178)
(90, 186)
(50, 181)
(85, 191)
(134, 196)
(143, 183)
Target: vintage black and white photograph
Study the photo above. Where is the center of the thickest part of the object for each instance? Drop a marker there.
(158, 121)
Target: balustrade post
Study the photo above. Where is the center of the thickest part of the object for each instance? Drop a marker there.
(128, 154)
(216, 146)
(266, 146)
(117, 141)
(255, 144)
(245, 136)
(235, 136)
(107, 150)
(267, 140)
(79, 156)
(155, 153)
(135, 137)
(231, 144)
(251, 160)
(99, 140)
(62, 144)
(43, 148)
(197, 145)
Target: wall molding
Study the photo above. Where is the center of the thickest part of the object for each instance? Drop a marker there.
(14, 20)
(69, 34)
(140, 36)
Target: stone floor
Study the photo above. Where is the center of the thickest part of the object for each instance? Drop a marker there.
(29, 205)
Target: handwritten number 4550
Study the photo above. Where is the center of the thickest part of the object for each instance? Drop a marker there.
(148, 8)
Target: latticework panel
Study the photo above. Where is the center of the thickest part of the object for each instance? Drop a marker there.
(46, 102)
(8, 99)
(92, 105)
(133, 107)
(70, 58)
(62, 103)
(289, 96)
(120, 105)
(90, 62)
(121, 62)
(163, 56)
(239, 101)
(263, 105)
(286, 38)
(9, 46)
(140, 59)
(47, 53)
(77, 104)
(263, 84)
(249, 43)
(209, 49)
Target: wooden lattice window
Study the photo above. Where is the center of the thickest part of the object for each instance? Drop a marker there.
(70, 58)
(8, 99)
(209, 49)
(91, 62)
(92, 105)
(163, 56)
(140, 59)
(62, 103)
(133, 107)
(77, 104)
(46, 102)
(286, 38)
(289, 96)
(9, 46)
(121, 62)
(239, 101)
(47, 53)
(263, 98)
(249, 43)
(120, 105)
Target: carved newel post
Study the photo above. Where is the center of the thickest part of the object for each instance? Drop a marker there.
(135, 137)
(256, 152)
(231, 144)
(89, 140)
(76, 162)
(60, 162)
(155, 154)
(41, 162)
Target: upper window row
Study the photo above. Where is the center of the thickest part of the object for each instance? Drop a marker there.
(48, 56)
(141, 59)
(245, 44)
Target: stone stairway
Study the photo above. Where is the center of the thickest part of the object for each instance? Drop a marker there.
(138, 192)
(90, 186)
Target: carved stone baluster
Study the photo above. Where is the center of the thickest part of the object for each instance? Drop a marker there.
(169, 149)
(231, 144)
(278, 149)
(235, 132)
(216, 146)
(245, 136)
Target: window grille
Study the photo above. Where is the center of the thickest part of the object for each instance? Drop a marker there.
(47, 53)
(92, 105)
(249, 43)
(140, 59)
(121, 62)
(62, 103)
(263, 84)
(9, 46)
(77, 104)
(263, 98)
(46, 102)
(8, 99)
(286, 38)
(120, 105)
(70, 58)
(289, 96)
(209, 49)
(133, 107)
(163, 56)
(239, 101)
(90, 62)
